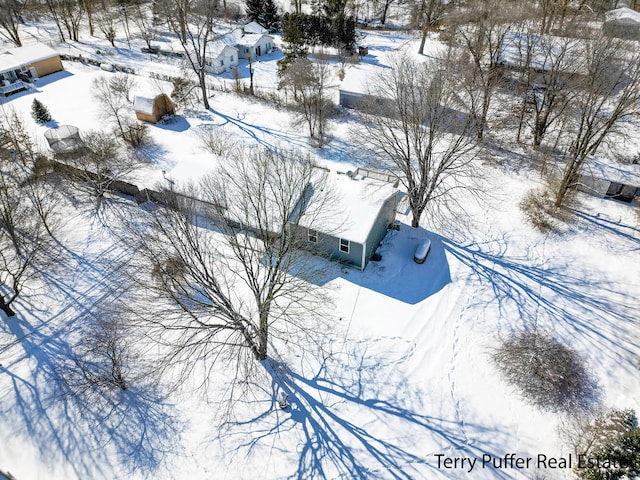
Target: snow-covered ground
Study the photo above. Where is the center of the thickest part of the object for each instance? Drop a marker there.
(402, 378)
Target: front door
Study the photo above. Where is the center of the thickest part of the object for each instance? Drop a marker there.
(258, 51)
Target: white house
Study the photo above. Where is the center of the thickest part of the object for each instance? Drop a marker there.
(250, 45)
(222, 57)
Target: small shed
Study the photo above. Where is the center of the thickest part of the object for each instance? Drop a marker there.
(221, 57)
(152, 109)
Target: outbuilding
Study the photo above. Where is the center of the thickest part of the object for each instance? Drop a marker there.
(152, 109)
(622, 23)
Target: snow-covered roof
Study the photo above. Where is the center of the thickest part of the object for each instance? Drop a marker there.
(143, 104)
(623, 15)
(358, 201)
(356, 80)
(14, 58)
(545, 51)
(245, 39)
(8, 62)
(254, 27)
(218, 47)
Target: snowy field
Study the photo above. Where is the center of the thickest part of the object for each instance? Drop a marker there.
(402, 378)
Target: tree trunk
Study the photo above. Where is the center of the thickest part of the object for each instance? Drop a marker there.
(423, 40)
(383, 18)
(263, 336)
(250, 77)
(203, 87)
(5, 306)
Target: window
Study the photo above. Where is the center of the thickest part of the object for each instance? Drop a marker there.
(344, 245)
(312, 236)
(222, 63)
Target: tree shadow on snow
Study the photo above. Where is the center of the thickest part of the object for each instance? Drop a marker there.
(569, 298)
(132, 430)
(356, 416)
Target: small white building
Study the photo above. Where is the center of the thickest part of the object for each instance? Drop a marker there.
(221, 57)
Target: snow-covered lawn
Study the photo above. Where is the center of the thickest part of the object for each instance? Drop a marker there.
(402, 374)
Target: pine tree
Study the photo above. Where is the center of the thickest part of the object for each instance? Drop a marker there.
(270, 16)
(254, 10)
(40, 112)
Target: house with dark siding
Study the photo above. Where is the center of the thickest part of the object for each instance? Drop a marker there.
(365, 208)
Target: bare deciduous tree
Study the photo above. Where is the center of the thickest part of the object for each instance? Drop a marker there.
(425, 15)
(229, 266)
(482, 30)
(115, 96)
(414, 133)
(609, 96)
(10, 19)
(193, 21)
(306, 81)
(102, 163)
(24, 212)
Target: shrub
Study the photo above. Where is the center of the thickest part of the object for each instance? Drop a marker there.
(40, 112)
(217, 141)
(539, 209)
(547, 373)
(136, 134)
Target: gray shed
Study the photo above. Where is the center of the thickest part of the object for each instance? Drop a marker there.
(622, 23)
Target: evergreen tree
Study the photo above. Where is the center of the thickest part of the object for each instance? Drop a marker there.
(618, 458)
(40, 112)
(294, 40)
(270, 16)
(254, 10)
(265, 12)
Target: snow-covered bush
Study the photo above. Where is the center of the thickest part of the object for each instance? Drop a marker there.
(546, 372)
(217, 140)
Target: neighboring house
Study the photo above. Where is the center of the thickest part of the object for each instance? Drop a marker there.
(610, 180)
(221, 57)
(622, 23)
(542, 54)
(152, 109)
(250, 45)
(355, 87)
(20, 66)
(357, 223)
